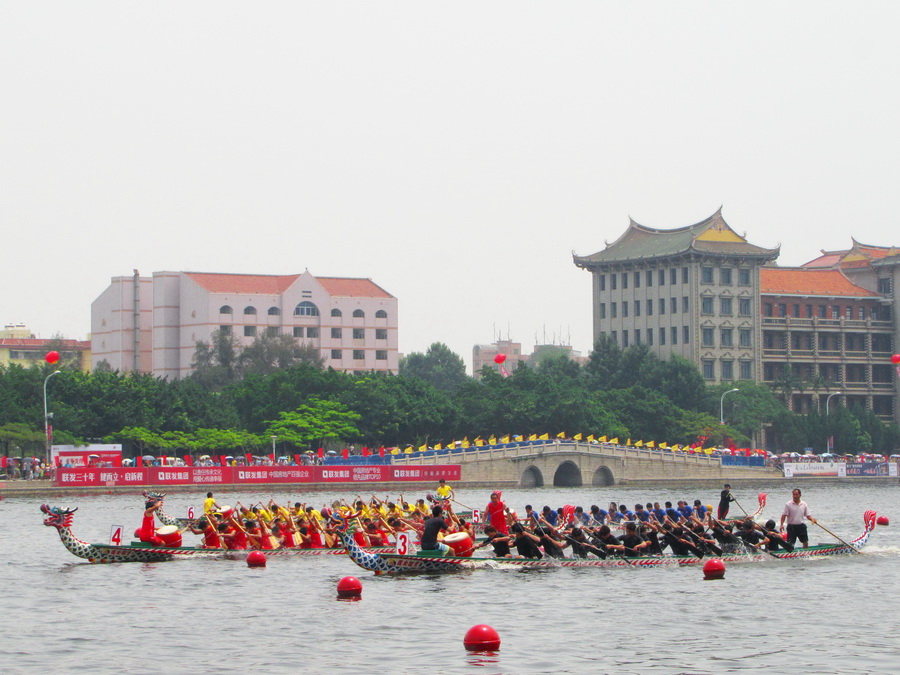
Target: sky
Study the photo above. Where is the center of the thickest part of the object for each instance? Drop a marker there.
(455, 153)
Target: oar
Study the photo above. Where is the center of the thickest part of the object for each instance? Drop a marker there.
(852, 548)
(462, 505)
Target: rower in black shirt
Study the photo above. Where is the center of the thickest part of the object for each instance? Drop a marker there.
(526, 543)
(498, 540)
(726, 538)
(776, 541)
(630, 543)
(750, 536)
(580, 545)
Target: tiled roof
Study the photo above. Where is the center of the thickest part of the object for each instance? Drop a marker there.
(711, 236)
(352, 288)
(827, 259)
(39, 343)
(267, 284)
(812, 282)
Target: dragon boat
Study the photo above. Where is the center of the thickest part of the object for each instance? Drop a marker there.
(427, 562)
(61, 519)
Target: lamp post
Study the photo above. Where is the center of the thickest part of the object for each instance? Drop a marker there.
(722, 405)
(274, 438)
(47, 417)
(828, 398)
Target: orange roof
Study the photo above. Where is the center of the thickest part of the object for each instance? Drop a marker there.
(805, 281)
(353, 288)
(39, 343)
(825, 260)
(243, 283)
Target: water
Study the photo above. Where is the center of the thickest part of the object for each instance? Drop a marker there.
(834, 615)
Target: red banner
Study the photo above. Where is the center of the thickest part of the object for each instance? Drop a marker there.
(240, 475)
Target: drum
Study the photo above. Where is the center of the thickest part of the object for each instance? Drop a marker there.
(169, 535)
(461, 543)
(226, 511)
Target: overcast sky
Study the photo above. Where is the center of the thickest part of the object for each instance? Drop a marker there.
(455, 153)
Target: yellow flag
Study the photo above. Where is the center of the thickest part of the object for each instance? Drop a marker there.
(505, 439)
(518, 437)
(591, 438)
(395, 451)
(638, 444)
(561, 434)
(532, 437)
(663, 445)
(577, 437)
(708, 451)
(437, 446)
(603, 439)
(479, 442)
(614, 441)
(544, 437)
(651, 444)
(493, 440)
(465, 443)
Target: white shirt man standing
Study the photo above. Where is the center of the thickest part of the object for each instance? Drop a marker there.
(796, 512)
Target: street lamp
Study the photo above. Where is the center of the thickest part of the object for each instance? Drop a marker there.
(837, 393)
(722, 405)
(47, 416)
(274, 438)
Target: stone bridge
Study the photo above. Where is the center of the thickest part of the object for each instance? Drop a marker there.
(576, 464)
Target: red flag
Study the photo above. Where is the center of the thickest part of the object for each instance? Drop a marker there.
(345, 453)
(272, 456)
(49, 433)
(297, 460)
(189, 460)
(381, 451)
(365, 452)
(321, 452)
(249, 458)
(222, 460)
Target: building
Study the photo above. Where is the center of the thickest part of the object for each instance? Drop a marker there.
(484, 355)
(152, 324)
(19, 346)
(705, 293)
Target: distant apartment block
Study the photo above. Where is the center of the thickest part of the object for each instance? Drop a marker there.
(485, 355)
(152, 324)
(19, 346)
(705, 293)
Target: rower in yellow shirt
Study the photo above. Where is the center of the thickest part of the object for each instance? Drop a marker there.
(444, 491)
(209, 504)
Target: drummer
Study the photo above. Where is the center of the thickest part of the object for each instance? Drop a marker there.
(209, 504)
(433, 527)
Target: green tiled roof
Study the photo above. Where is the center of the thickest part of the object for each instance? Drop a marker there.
(640, 242)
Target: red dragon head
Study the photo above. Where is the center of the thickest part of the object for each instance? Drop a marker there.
(57, 517)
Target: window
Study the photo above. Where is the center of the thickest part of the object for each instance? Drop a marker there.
(359, 354)
(381, 354)
(637, 279)
(685, 304)
(809, 311)
(725, 306)
(225, 309)
(298, 331)
(767, 309)
(662, 277)
(336, 312)
(673, 276)
(650, 336)
(745, 335)
(662, 336)
(649, 278)
(707, 337)
(706, 275)
(836, 312)
(685, 275)
(637, 336)
(624, 338)
(637, 307)
(727, 337)
(862, 313)
(380, 314)
(602, 310)
(823, 311)
(673, 305)
(685, 335)
(615, 337)
(306, 308)
(746, 370)
(709, 369)
(674, 335)
(744, 306)
(649, 308)
(274, 311)
(613, 281)
(727, 370)
(849, 312)
(249, 331)
(743, 276)
(225, 330)
(312, 332)
(662, 305)
(725, 276)
(250, 311)
(336, 333)
(358, 314)
(602, 281)
(359, 333)
(706, 306)
(381, 333)
(884, 286)
(796, 309)
(624, 279)
(625, 308)
(613, 310)
(336, 354)
(782, 310)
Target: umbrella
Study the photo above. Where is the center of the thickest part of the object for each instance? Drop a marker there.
(93, 456)
(283, 458)
(150, 457)
(204, 456)
(332, 453)
(229, 456)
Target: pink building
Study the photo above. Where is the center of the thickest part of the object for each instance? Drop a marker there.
(152, 324)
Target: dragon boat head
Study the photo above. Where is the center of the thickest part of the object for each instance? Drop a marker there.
(154, 496)
(57, 517)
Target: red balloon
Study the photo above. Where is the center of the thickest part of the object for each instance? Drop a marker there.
(895, 359)
(500, 358)
(53, 357)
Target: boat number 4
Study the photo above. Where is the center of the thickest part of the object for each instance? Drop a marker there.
(403, 543)
(115, 535)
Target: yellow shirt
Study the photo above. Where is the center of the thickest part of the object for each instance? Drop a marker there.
(444, 491)
(209, 505)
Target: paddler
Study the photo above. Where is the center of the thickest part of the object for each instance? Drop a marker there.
(725, 500)
(433, 527)
(147, 533)
(499, 542)
(496, 512)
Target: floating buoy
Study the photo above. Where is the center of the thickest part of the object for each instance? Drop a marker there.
(349, 587)
(883, 520)
(713, 569)
(482, 638)
(256, 559)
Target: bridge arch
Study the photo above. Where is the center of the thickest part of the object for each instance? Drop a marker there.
(567, 475)
(532, 478)
(603, 476)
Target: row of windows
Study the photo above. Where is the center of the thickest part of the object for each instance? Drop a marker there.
(826, 311)
(726, 337)
(359, 355)
(726, 369)
(726, 306)
(832, 372)
(310, 332)
(650, 335)
(648, 306)
(851, 342)
(726, 276)
(305, 308)
(707, 276)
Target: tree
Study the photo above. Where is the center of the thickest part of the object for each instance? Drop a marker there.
(269, 353)
(604, 363)
(438, 366)
(216, 362)
(317, 420)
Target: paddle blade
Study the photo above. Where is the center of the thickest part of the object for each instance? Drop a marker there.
(869, 518)
(762, 498)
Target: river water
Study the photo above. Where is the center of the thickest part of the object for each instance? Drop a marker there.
(835, 615)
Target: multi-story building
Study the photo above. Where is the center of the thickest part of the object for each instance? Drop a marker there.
(18, 345)
(485, 355)
(152, 324)
(705, 293)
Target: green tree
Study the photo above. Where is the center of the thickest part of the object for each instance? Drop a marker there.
(438, 366)
(316, 420)
(216, 362)
(604, 363)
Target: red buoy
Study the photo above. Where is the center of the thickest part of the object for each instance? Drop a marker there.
(713, 569)
(883, 520)
(349, 587)
(482, 638)
(256, 559)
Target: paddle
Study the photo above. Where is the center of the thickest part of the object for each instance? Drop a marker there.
(852, 548)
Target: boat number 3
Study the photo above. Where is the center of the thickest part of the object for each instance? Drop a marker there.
(403, 543)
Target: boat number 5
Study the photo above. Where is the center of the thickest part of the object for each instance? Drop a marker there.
(476, 516)
(115, 535)
(403, 543)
